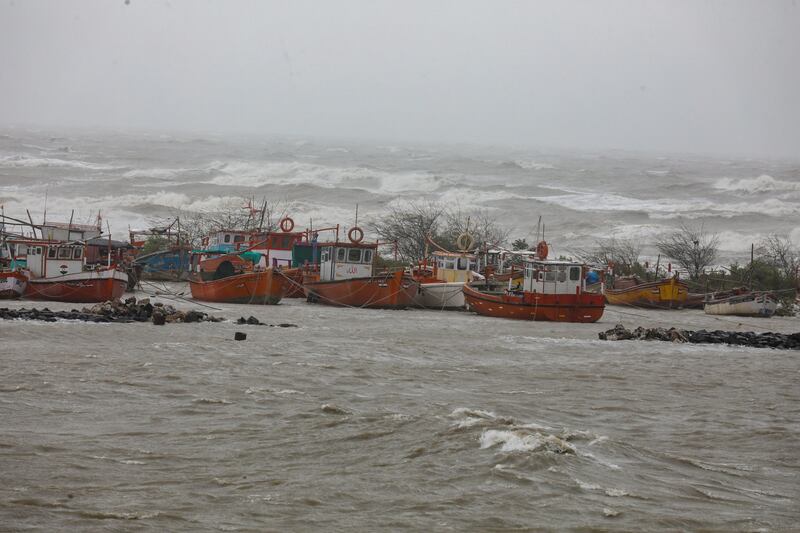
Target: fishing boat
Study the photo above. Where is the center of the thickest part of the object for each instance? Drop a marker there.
(277, 249)
(347, 277)
(550, 291)
(668, 293)
(12, 283)
(753, 304)
(58, 272)
(234, 278)
(162, 253)
(442, 279)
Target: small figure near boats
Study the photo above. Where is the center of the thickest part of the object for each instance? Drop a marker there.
(347, 277)
(551, 291)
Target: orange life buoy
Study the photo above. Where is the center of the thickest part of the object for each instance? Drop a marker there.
(542, 250)
(287, 225)
(357, 231)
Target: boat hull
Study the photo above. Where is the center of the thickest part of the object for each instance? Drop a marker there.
(448, 296)
(665, 294)
(294, 288)
(390, 291)
(12, 285)
(164, 265)
(752, 306)
(82, 287)
(258, 288)
(584, 307)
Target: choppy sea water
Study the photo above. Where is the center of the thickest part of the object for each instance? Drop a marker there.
(582, 196)
(401, 420)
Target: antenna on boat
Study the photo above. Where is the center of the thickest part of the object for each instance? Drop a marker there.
(538, 228)
(356, 223)
(44, 216)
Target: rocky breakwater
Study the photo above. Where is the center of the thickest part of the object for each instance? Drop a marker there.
(116, 311)
(737, 338)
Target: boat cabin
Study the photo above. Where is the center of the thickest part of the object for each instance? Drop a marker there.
(454, 267)
(49, 259)
(346, 260)
(553, 277)
(275, 246)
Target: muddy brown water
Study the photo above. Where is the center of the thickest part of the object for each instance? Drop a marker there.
(398, 420)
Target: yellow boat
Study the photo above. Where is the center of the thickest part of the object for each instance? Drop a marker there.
(663, 294)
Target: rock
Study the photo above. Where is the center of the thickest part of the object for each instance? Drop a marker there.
(701, 336)
(287, 325)
(193, 316)
(239, 336)
(253, 321)
(242, 320)
(159, 318)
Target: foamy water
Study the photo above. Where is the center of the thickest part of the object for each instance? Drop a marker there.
(371, 420)
(136, 179)
(402, 420)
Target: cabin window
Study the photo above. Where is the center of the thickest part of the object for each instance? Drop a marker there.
(76, 253)
(354, 255)
(441, 263)
(450, 264)
(462, 263)
(51, 253)
(340, 254)
(238, 238)
(541, 276)
(227, 238)
(562, 273)
(368, 256)
(574, 273)
(550, 275)
(64, 253)
(326, 255)
(285, 242)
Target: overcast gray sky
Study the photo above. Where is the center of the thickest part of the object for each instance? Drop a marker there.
(698, 76)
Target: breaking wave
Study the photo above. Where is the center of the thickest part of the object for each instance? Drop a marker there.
(23, 161)
(763, 183)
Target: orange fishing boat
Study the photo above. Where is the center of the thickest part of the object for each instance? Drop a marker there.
(57, 271)
(550, 291)
(346, 277)
(231, 278)
(662, 294)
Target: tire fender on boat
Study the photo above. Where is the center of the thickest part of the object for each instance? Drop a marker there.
(356, 234)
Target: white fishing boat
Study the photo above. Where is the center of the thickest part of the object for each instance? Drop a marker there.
(748, 304)
(442, 280)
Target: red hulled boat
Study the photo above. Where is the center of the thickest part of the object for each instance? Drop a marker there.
(551, 291)
(235, 278)
(58, 273)
(346, 277)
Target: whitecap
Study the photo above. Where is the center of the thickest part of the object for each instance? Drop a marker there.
(520, 441)
(763, 183)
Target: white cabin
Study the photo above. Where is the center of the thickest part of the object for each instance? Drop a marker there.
(453, 267)
(346, 261)
(553, 277)
(49, 260)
